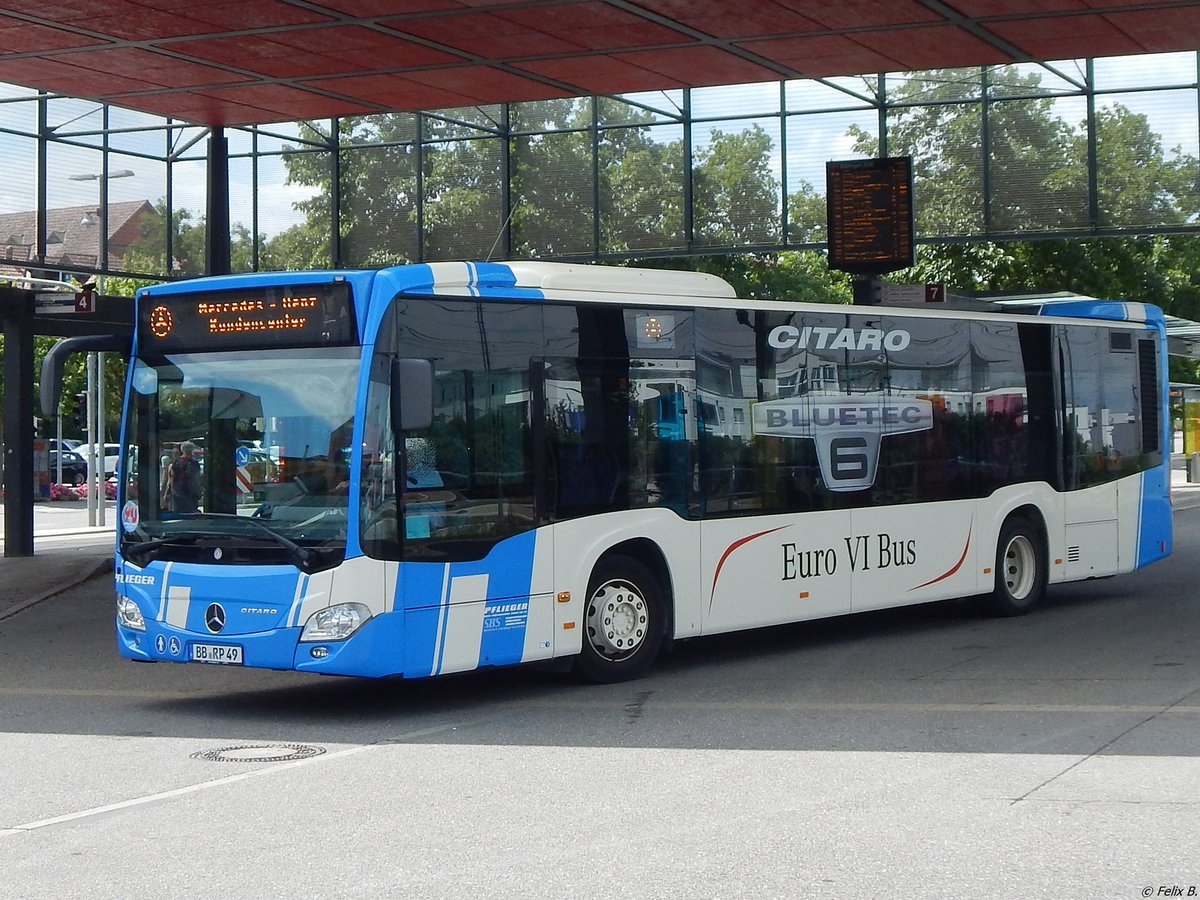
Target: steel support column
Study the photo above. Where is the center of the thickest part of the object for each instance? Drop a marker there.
(17, 311)
(217, 255)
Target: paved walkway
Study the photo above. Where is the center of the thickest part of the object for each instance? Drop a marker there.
(26, 580)
(57, 564)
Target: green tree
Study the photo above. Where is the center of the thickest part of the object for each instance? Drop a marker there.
(736, 196)
(149, 252)
(1139, 183)
(642, 191)
(808, 219)
(377, 183)
(299, 247)
(308, 244)
(557, 174)
(462, 188)
(1039, 182)
(937, 119)
(798, 275)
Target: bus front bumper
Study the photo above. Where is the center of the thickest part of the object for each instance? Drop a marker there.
(365, 653)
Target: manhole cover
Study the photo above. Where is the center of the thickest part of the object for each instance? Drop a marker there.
(260, 753)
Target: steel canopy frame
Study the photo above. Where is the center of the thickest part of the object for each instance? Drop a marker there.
(790, 120)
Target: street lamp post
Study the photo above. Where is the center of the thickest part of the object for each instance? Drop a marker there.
(102, 213)
(95, 368)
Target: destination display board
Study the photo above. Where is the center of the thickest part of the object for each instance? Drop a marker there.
(870, 215)
(259, 317)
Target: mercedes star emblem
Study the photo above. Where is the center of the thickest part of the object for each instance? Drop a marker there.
(214, 617)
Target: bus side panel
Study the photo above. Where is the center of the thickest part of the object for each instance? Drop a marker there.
(1155, 523)
(898, 556)
(1153, 517)
(767, 570)
(489, 612)
(1118, 526)
(1129, 511)
(1091, 532)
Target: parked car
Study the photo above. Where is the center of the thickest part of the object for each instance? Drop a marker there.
(111, 453)
(74, 466)
(64, 444)
(261, 466)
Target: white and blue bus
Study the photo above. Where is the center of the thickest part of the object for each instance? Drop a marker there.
(432, 468)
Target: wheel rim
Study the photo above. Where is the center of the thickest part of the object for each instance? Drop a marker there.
(1020, 567)
(618, 619)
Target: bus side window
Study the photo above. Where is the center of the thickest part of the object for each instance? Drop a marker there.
(588, 455)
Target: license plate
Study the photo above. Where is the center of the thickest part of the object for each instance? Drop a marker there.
(217, 654)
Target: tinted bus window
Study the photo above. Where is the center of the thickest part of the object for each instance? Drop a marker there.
(621, 415)
(1010, 404)
(928, 369)
(468, 479)
(767, 379)
(1102, 405)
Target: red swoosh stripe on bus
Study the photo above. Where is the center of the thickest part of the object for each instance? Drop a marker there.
(725, 556)
(954, 568)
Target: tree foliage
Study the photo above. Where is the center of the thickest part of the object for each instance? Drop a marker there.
(1038, 168)
(558, 175)
(188, 244)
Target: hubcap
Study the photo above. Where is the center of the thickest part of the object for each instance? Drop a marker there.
(1020, 567)
(617, 619)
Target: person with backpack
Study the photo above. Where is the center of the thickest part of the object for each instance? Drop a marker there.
(183, 482)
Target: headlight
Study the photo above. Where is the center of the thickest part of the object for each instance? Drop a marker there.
(129, 615)
(335, 623)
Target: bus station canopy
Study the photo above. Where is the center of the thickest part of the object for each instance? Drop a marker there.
(231, 62)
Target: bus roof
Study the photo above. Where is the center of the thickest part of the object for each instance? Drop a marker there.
(556, 278)
(534, 279)
(508, 279)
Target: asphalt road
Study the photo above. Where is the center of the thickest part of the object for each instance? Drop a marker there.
(927, 752)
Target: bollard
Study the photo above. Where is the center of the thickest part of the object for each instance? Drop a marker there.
(1193, 469)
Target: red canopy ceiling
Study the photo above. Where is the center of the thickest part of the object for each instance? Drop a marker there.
(230, 62)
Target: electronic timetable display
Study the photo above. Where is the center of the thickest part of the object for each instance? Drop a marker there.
(259, 317)
(870, 215)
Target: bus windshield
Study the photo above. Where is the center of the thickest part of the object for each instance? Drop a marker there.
(247, 450)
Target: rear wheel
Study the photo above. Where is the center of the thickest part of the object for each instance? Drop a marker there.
(1020, 569)
(624, 621)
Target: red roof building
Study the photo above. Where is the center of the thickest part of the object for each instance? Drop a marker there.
(72, 236)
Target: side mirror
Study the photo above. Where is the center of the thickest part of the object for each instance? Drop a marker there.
(412, 394)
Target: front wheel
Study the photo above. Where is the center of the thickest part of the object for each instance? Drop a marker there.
(624, 621)
(1020, 569)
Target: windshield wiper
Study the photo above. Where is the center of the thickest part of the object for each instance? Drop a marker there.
(145, 547)
(305, 558)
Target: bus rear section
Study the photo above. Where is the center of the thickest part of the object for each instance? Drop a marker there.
(430, 469)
